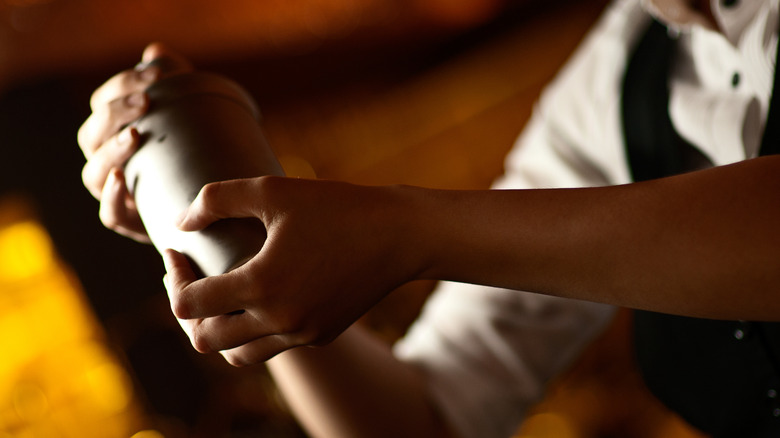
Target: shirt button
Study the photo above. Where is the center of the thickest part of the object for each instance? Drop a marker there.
(742, 331)
(735, 79)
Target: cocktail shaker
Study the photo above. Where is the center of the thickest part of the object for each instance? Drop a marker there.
(200, 128)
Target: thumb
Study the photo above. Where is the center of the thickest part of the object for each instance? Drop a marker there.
(219, 200)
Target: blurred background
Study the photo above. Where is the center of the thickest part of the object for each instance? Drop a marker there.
(422, 92)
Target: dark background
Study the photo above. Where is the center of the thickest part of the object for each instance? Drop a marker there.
(421, 92)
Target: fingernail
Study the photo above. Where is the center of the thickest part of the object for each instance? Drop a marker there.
(112, 180)
(166, 258)
(136, 99)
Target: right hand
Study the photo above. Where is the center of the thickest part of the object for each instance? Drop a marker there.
(333, 251)
(108, 139)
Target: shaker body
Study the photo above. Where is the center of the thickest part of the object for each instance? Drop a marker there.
(200, 128)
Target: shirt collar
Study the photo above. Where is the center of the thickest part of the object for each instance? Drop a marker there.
(732, 16)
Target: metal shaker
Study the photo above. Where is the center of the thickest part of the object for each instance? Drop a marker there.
(200, 128)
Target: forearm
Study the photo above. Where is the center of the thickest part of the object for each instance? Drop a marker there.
(703, 244)
(354, 387)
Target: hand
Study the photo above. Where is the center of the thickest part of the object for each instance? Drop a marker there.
(108, 140)
(333, 251)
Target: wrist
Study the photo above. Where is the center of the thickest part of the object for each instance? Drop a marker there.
(408, 216)
(427, 230)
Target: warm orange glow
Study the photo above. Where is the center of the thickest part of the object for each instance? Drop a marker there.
(23, 3)
(57, 376)
(148, 434)
(296, 166)
(547, 425)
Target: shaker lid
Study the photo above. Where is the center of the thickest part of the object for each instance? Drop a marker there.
(199, 83)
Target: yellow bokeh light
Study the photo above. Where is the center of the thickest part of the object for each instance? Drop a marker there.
(296, 167)
(30, 402)
(58, 378)
(148, 434)
(25, 251)
(110, 390)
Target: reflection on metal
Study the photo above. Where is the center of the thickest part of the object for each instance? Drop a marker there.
(58, 378)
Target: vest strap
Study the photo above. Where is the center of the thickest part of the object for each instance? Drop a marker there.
(720, 376)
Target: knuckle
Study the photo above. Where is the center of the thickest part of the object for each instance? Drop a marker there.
(86, 137)
(124, 110)
(88, 178)
(142, 77)
(199, 342)
(180, 308)
(124, 81)
(81, 136)
(234, 359)
(94, 99)
(267, 184)
(210, 193)
(113, 87)
(98, 96)
(108, 217)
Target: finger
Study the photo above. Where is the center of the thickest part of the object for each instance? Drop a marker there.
(113, 154)
(117, 209)
(190, 326)
(207, 338)
(153, 51)
(171, 62)
(187, 325)
(193, 298)
(257, 351)
(225, 332)
(220, 200)
(105, 123)
(124, 83)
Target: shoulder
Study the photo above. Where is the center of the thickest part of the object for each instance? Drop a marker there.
(578, 114)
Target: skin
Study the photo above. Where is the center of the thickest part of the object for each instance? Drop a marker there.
(702, 244)
(353, 387)
(691, 245)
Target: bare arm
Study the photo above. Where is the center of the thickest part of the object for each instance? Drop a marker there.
(354, 387)
(704, 244)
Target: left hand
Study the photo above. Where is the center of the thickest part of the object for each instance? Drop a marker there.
(333, 251)
(108, 139)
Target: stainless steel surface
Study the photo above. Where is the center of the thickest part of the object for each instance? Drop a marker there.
(201, 128)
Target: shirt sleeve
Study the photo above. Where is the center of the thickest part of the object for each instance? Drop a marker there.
(488, 353)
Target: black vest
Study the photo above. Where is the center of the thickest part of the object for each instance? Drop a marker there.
(723, 377)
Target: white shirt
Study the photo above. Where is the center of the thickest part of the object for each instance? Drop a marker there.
(488, 353)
